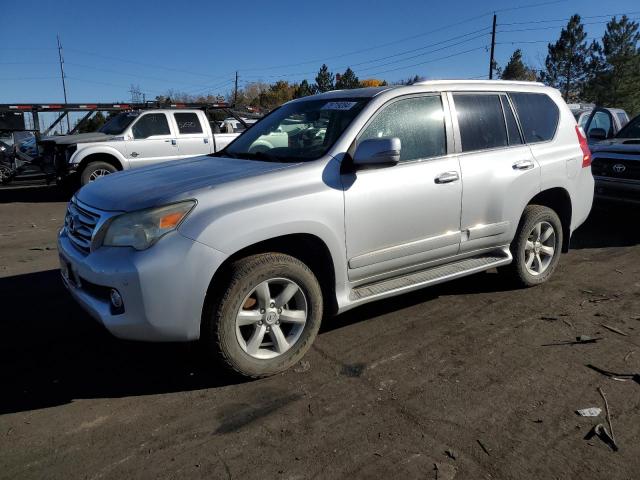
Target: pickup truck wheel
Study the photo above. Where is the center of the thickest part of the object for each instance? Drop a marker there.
(267, 316)
(536, 247)
(95, 170)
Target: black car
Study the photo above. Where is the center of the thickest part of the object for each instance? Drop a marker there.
(616, 165)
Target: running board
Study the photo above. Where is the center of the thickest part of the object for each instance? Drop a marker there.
(431, 276)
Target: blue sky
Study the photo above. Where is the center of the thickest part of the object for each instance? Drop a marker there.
(197, 46)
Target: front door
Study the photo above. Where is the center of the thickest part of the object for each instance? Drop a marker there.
(153, 141)
(399, 218)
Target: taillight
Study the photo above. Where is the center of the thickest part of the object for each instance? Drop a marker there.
(584, 146)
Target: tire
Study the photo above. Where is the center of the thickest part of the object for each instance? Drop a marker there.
(236, 316)
(95, 170)
(533, 262)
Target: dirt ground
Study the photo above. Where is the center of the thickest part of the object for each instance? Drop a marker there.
(385, 392)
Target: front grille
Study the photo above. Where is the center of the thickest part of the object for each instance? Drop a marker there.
(616, 168)
(80, 223)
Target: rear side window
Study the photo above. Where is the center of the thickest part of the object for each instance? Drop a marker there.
(417, 122)
(188, 123)
(481, 121)
(512, 126)
(151, 124)
(538, 116)
(622, 117)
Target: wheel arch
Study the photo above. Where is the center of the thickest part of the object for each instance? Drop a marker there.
(99, 157)
(306, 247)
(558, 200)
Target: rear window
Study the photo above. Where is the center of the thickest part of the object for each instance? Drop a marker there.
(188, 123)
(512, 125)
(538, 116)
(481, 121)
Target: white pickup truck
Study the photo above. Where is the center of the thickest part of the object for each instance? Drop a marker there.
(134, 139)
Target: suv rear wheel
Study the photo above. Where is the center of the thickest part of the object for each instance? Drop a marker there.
(267, 316)
(536, 247)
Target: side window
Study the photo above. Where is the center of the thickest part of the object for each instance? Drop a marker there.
(512, 126)
(538, 116)
(188, 122)
(481, 121)
(417, 122)
(623, 119)
(151, 124)
(601, 120)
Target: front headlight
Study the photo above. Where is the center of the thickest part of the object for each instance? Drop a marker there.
(142, 229)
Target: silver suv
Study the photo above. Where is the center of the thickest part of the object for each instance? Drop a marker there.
(329, 202)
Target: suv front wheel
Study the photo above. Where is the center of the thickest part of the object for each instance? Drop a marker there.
(536, 247)
(266, 317)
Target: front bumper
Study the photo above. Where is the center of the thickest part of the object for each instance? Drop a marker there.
(618, 190)
(163, 288)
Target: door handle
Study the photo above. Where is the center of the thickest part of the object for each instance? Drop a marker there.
(134, 154)
(447, 177)
(523, 165)
(173, 142)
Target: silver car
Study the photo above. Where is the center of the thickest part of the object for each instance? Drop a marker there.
(375, 192)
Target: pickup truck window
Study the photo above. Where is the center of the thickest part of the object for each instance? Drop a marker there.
(299, 131)
(188, 123)
(417, 122)
(151, 124)
(119, 123)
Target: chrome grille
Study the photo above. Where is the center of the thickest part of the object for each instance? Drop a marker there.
(80, 223)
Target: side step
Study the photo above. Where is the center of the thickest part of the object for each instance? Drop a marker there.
(431, 276)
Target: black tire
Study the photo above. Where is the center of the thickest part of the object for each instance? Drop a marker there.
(518, 270)
(218, 329)
(92, 168)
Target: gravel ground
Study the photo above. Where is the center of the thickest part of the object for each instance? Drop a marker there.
(387, 390)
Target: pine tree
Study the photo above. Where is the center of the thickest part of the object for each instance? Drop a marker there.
(324, 80)
(517, 70)
(303, 90)
(616, 66)
(347, 80)
(567, 63)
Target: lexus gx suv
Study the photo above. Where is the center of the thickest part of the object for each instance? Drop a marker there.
(329, 202)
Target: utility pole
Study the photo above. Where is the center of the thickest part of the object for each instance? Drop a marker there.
(493, 47)
(64, 85)
(235, 91)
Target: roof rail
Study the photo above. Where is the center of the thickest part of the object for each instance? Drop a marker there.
(479, 82)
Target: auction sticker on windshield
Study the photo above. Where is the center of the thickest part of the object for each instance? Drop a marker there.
(338, 105)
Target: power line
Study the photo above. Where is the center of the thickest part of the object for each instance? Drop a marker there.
(610, 15)
(550, 27)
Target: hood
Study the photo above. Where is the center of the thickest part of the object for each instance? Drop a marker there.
(169, 182)
(77, 138)
(617, 145)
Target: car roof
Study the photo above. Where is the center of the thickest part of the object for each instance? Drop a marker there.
(504, 85)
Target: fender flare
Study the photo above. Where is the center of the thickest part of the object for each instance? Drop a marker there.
(82, 153)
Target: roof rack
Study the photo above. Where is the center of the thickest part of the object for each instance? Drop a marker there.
(104, 107)
(479, 82)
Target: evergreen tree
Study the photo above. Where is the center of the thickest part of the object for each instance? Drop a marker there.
(567, 63)
(347, 80)
(616, 66)
(517, 70)
(303, 90)
(324, 80)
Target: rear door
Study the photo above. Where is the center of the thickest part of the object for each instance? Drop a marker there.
(499, 173)
(193, 138)
(153, 140)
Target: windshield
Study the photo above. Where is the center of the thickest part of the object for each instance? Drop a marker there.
(298, 131)
(119, 123)
(631, 129)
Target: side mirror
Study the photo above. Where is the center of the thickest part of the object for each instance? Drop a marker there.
(377, 152)
(597, 134)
